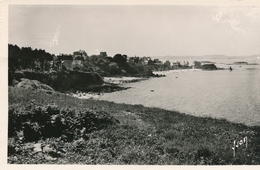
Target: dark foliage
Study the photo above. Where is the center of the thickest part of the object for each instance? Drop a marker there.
(120, 59)
(26, 57)
(38, 122)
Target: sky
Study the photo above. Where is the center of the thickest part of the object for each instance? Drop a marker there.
(144, 30)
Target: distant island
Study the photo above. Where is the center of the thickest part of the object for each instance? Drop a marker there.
(240, 63)
(243, 63)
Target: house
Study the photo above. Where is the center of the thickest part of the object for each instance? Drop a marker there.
(103, 54)
(144, 60)
(176, 64)
(79, 55)
(66, 61)
(184, 63)
(158, 62)
(196, 64)
(77, 62)
(73, 62)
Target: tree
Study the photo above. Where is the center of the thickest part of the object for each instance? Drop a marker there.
(27, 60)
(114, 69)
(167, 64)
(13, 56)
(120, 59)
(43, 57)
(81, 53)
(110, 59)
(150, 62)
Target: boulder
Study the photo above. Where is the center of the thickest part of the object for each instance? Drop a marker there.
(60, 81)
(33, 84)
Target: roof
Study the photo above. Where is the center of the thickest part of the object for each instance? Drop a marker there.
(65, 57)
(78, 57)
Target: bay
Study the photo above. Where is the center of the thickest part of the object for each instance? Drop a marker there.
(232, 95)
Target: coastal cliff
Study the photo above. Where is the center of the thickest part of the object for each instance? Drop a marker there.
(64, 80)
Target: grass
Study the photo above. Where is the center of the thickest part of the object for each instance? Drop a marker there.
(120, 134)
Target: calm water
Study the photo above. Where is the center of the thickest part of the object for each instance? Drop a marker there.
(234, 95)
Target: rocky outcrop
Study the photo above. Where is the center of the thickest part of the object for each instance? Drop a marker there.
(209, 67)
(33, 84)
(74, 80)
(63, 81)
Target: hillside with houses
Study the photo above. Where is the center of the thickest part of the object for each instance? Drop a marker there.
(80, 71)
(65, 72)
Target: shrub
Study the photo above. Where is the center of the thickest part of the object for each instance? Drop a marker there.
(44, 122)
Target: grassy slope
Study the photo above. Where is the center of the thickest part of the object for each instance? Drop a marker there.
(144, 136)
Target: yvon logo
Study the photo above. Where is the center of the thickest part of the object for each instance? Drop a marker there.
(242, 142)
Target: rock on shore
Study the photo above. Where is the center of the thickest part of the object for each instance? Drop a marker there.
(33, 84)
(62, 81)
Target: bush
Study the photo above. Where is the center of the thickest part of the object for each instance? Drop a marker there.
(44, 122)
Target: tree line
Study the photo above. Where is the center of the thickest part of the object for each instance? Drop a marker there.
(119, 64)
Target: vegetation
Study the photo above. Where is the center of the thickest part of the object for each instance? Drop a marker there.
(77, 71)
(58, 129)
(27, 58)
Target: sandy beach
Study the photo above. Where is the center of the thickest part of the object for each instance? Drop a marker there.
(120, 80)
(174, 71)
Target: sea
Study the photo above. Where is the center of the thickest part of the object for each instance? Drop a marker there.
(232, 95)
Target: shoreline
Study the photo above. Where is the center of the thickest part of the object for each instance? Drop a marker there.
(175, 71)
(121, 80)
(118, 81)
(111, 82)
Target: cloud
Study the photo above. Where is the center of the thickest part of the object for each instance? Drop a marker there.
(240, 19)
(55, 38)
(254, 14)
(227, 16)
